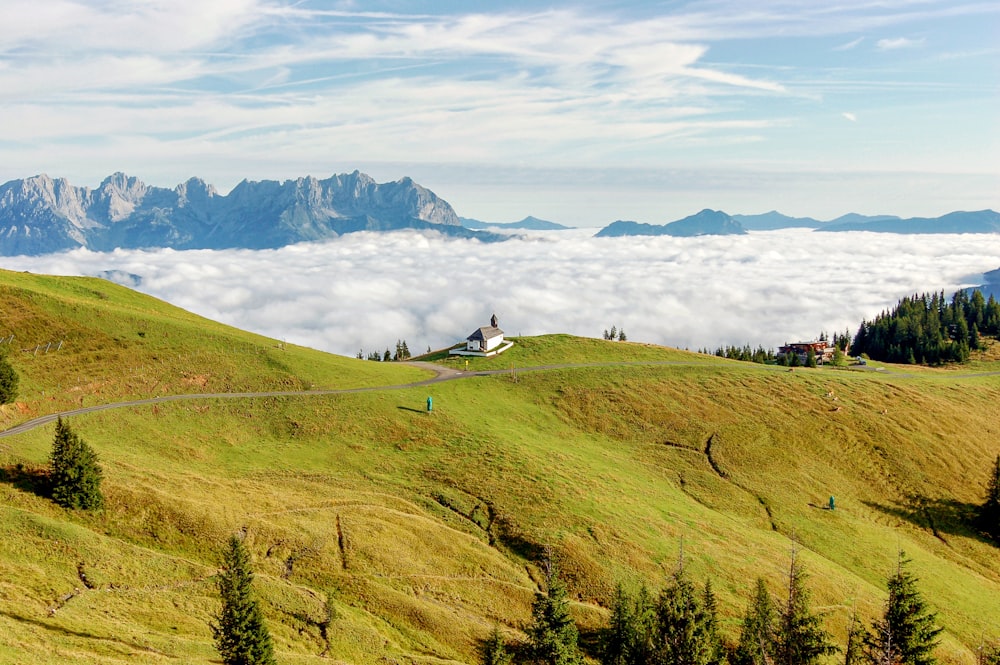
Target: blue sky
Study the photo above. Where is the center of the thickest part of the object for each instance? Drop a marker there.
(579, 112)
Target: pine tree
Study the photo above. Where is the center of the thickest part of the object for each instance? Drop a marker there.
(800, 640)
(853, 652)
(494, 650)
(757, 633)
(240, 634)
(682, 625)
(717, 650)
(552, 636)
(74, 474)
(907, 632)
(989, 513)
(621, 335)
(620, 633)
(8, 379)
(629, 637)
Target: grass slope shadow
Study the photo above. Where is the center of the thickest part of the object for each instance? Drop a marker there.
(33, 479)
(942, 517)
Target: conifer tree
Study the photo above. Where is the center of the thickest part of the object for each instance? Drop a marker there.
(757, 632)
(907, 633)
(8, 379)
(240, 634)
(494, 650)
(989, 513)
(800, 639)
(620, 634)
(853, 652)
(717, 650)
(552, 635)
(629, 637)
(74, 474)
(682, 624)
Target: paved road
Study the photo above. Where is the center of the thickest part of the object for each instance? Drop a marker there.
(440, 374)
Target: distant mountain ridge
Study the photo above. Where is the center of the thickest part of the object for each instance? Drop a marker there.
(40, 215)
(706, 222)
(529, 223)
(716, 222)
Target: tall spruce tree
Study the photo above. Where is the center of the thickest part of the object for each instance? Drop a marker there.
(907, 633)
(552, 635)
(620, 635)
(800, 639)
(74, 474)
(854, 651)
(240, 634)
(494, 650)
(8, 378)
(683, 625)
(629, 638)
(717, 649)
(988, 516)
(757, 632)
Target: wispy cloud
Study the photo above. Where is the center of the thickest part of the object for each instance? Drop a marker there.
(364, 291)
(850, 116)
(895, 43)
(854, 43)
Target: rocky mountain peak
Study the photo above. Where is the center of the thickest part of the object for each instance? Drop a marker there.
(40, 215)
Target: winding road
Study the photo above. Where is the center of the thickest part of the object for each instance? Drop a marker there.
(440, 374)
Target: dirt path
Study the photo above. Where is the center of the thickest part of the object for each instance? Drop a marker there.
(440, 374)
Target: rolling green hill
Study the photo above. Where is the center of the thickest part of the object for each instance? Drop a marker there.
(382, 533)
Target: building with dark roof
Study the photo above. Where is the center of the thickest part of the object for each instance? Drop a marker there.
(486, 338)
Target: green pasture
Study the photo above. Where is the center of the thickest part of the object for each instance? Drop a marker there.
(416, 533)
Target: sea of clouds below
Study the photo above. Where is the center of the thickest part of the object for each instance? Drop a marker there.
(366, 290)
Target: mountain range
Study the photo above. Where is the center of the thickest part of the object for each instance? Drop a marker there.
(716, 222)
(981, 221)
(40, 215)
(528, 223)
(706, 222)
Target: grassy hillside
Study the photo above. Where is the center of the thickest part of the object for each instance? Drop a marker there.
(410, 535)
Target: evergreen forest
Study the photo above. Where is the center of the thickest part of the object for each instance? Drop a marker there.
(928, 329)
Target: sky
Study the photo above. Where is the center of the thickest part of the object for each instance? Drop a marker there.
(364, 291)
(579, 112)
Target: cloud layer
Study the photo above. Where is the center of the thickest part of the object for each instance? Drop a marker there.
(365, 291)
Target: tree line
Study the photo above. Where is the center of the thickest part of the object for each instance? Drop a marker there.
(615, 333)
(402, 353)
(928, 329)
(679, 626)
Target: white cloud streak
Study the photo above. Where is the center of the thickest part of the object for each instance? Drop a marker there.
(364, 291)
(897, 43)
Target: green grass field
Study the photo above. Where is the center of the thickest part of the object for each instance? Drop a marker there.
(416, 533)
